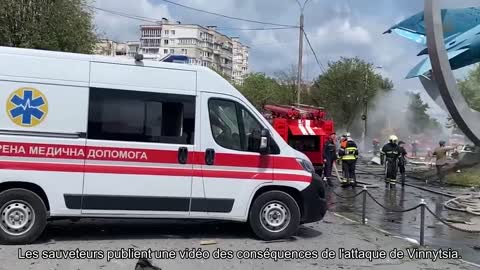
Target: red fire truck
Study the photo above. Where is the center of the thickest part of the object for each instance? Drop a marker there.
(303, 127)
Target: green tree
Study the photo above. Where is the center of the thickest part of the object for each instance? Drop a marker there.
(224, 75)
(60, 25)
(470, 88)
(260, 90)
(288, 80)
(345, 87)
(417, 116)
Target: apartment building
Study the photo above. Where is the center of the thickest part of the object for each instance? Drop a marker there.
(112, 48)
(203, 46)
(240, 60)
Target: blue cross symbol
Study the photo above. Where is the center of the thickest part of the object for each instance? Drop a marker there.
(27, 107)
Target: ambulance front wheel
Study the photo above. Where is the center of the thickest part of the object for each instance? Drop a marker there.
(274, 215)
(23, 216)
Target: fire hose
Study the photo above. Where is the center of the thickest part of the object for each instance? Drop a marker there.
(469, 204)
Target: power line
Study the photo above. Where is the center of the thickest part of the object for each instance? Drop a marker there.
(125, 15)
(155, 21)
(255, 29)
(314, 53)
(226, 16)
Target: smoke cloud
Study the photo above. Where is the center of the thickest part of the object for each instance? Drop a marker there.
(389, 114)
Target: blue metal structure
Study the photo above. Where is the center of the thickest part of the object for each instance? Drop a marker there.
(452, 39)
(461, 32)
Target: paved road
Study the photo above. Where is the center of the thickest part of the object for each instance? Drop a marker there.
(437, 235)
(103, 235)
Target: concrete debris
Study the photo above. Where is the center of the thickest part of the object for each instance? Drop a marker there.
(208, 242)
(376, 160)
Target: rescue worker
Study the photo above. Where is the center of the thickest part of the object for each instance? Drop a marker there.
(343, 145)
(376, 147)
(344, 140)
(329, 156)
(441, 159)
(390, 154)
(414, 148)
(349, 156)
(402, 160)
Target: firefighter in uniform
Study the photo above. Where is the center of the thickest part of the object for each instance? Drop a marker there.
(390, 156)
(349, 156)
(402, 160)
(376, 147)
(329, 157)
(343, 145)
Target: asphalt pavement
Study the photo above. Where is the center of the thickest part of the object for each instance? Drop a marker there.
(334, 243)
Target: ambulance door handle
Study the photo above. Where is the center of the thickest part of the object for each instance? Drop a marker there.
(182, 155)
(209, 156)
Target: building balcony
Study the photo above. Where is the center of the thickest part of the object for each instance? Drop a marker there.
(228, 66)
(150, 37)
(151, 47)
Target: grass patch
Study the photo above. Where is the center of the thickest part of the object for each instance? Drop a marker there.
(467, 177)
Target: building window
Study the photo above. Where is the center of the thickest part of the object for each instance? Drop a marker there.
(166, 32)
(172, 51)
(165, 51)
(184, 51)
(165, 41)
(173, 32)
(145, 116)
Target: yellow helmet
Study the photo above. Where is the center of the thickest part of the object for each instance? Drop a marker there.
(393, 139)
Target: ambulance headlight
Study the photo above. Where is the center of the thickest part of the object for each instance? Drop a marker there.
(306, 165)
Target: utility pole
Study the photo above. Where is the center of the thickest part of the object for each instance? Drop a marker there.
(365, 105)
(364, 116)
(365, 109)
(300, 50)
(300, 59)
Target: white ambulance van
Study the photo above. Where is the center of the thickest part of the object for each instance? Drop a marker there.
(92, 136)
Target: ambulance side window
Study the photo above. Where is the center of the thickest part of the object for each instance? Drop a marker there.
(233, 126)
(224, 123)
(251, 131)
(121, 115)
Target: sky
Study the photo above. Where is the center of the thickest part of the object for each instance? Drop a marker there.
(340, 28)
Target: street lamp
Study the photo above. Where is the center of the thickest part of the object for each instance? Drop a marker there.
(365, 108)
(300, 49)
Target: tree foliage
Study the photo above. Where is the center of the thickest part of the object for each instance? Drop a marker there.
(223, 74)
(344, 87)
(261, 90)
(418, 119)
(470, 88)
(61, 25)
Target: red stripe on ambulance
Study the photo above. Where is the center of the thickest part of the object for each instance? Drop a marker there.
(59, 151)
(56, 167)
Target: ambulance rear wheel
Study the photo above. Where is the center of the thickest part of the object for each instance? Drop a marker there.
(23, 216)
(274, 215)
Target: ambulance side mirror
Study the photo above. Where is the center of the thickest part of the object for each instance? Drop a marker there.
(264, 141)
